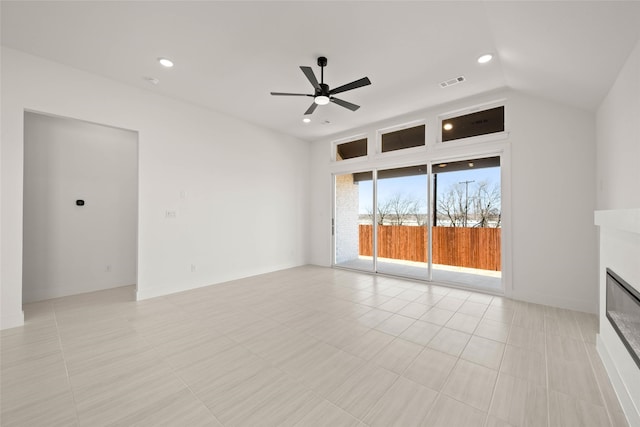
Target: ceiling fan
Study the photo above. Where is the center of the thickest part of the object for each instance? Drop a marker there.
(323, 95)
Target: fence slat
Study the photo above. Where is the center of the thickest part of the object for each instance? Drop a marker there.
(458, 246)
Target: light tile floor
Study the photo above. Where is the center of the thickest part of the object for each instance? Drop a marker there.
(483, 280)
(308, 346)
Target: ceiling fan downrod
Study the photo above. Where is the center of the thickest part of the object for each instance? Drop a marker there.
(322, 62)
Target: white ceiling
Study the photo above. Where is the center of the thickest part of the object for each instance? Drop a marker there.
(230, 55)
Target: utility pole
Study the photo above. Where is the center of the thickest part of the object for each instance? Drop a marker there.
(466, 200)
(435, 199)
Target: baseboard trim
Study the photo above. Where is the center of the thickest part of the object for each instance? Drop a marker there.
(576, 304)
(143, 293)
(626, 402)
(14, 321)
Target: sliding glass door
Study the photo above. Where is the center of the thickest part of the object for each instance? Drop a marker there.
(467, 218)
(444, 226)
(402, 217)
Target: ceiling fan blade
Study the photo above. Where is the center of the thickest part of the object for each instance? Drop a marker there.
(311, 109)
(345, 104)
(353, 85)
(289, 94)
(312, 77)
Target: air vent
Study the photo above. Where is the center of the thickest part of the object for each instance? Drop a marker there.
(452, 82)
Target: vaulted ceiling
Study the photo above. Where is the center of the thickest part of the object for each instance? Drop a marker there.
(229, 55)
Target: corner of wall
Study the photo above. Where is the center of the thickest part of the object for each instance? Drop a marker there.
(617, 136)
(12, 321)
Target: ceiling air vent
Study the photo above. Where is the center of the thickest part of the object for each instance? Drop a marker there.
(452, 82)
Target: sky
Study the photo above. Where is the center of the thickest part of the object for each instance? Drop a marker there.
(415, 187)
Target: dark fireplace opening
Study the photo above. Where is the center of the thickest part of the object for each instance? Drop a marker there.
(623, 311)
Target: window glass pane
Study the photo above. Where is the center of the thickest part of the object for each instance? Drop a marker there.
(350, 150)
(405, 138)
(474, 124)
(402, 221)
(467, 223)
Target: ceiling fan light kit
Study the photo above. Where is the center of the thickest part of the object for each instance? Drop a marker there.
(321, 100)
(323, 94)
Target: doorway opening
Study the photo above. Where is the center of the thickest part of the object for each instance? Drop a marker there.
(80, 207)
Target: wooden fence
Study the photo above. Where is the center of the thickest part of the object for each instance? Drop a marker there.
(459, 246)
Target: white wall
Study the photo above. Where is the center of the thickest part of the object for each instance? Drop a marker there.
(240, 192)
(618, 140)
(552, 259)
(70, 249)
(554, 238)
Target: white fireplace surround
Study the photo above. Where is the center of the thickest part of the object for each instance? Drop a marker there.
(619, 251)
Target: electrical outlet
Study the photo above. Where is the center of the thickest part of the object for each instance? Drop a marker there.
(170, 214)
(193, 268)
(107, 268)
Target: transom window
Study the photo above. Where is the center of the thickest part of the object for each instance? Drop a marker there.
(473, 124)
(404, 138)
(351, 150)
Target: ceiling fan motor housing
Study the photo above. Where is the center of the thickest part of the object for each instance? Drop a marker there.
(324, 90)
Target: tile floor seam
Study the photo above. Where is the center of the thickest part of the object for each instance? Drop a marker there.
(546, 371)
(341, 409)
(444, 385)
(435, 401)
(457, 400)
(66, 368)
(364, 416)
(163, 361)
(293, 378)
(476, 364)
(412, 360)
(495, 386)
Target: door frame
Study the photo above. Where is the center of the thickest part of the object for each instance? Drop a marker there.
(438, 154)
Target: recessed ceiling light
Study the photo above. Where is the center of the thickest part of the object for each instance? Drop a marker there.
(485, 58)
(447, 126)
(165, 62)
(306, 120)
(442, 165)
(470, 164)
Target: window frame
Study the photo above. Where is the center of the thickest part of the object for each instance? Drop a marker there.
(353, 138)
(487, 137)
(395, 128)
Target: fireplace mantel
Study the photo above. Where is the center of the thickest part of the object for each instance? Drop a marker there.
(619, 251)
(627, 220)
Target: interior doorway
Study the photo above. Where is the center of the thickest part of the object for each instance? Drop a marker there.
(80, 207)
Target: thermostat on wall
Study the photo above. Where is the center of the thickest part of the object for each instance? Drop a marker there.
(79, 202)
